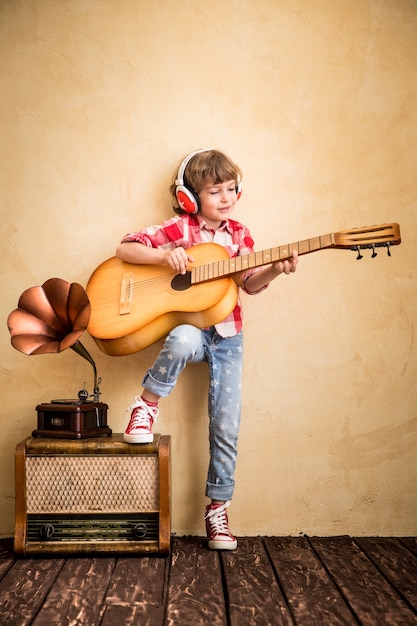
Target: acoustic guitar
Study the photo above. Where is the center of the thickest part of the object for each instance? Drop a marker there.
(133, 306)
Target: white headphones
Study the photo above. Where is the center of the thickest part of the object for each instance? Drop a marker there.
(187, 199)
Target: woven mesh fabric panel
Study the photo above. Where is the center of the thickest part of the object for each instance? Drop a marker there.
(111, 484)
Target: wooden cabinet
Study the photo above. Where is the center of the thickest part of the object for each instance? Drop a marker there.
(92, 495)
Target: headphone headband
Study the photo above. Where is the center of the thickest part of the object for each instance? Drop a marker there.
(185, 162)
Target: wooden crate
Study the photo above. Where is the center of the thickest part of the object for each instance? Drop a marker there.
(92, 495)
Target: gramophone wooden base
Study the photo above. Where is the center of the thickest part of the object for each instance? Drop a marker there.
(72, 420)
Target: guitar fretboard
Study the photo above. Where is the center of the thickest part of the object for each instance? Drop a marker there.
(226, 267)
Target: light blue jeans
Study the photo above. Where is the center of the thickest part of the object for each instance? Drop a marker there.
(224, 356)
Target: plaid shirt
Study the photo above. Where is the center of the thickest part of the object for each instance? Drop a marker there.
(189, 230)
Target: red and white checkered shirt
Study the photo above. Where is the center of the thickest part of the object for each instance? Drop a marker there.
(189, 230)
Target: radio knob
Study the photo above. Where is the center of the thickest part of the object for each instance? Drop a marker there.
(46, 531)
(140, 531)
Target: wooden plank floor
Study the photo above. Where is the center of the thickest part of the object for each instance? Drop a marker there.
(267, 581)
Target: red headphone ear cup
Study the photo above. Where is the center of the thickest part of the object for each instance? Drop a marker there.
(186, 200)
(238, 188)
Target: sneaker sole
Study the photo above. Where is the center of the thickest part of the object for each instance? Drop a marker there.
(138, 438)
(222, 545)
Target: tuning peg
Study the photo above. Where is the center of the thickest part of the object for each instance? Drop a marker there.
(358, 250)
(374, 254)
(388, 246)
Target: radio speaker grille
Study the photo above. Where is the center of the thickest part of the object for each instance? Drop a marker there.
(71, 484)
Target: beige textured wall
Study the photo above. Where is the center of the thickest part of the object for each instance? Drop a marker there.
(316, 101)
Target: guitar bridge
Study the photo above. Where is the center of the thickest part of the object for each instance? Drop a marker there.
(126, 293)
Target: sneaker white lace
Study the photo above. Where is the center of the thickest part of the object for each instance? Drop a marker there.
(217, 527)
(139, 429)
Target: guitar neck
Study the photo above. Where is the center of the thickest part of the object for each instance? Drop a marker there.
(227, 267)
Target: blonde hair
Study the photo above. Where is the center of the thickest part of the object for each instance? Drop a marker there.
(209, 166)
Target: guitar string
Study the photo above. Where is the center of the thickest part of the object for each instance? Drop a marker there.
(200, 273)
(221, 268)
(215, 270)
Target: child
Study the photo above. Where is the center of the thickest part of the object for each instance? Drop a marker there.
(205, 191)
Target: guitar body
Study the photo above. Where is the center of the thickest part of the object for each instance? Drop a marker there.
(157, 301)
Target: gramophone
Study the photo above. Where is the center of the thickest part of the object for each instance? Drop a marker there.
(48, 320)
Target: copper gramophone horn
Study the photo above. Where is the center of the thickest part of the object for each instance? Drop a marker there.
(50, 319)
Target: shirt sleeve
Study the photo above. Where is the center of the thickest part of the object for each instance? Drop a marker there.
(168, 235)
(246, 246)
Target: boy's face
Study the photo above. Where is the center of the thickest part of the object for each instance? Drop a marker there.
(217, 202)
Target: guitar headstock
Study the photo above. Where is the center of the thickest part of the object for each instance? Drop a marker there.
(381, 235)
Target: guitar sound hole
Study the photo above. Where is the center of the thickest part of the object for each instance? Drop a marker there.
(181, 282)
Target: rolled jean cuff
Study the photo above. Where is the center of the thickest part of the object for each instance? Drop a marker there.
(156, 386)
(220, 492)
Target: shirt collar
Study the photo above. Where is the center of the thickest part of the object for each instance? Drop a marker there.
(223, 226)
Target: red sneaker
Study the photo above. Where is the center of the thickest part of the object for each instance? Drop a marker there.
(217, 527)
(143, 416)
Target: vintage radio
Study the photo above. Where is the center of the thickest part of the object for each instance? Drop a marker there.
(92, 495)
